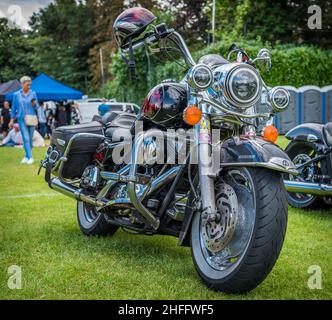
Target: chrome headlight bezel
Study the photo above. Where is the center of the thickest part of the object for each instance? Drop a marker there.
(276, 105)
(223, 81)
(193, 80)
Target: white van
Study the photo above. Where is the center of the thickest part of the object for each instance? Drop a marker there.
(89, 108)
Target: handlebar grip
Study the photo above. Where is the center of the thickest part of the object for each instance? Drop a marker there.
(132, 70)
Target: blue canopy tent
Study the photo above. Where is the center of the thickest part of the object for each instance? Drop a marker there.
(48, 89)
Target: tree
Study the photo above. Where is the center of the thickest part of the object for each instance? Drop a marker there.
(14, 53)
(282, 20)
(105, 13)
(61, 40)
(190, 18)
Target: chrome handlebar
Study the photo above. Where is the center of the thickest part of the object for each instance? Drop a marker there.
(222, 106)
(179, 41)
(175, 37)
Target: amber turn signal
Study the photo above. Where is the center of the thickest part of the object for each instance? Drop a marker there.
(270, 134)
(192, 115)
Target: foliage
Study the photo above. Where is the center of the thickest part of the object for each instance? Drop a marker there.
(282, 20)
(60, 41)
(13, 53)
(67, 36)
(190, 18)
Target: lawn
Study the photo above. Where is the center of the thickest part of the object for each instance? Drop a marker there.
(39, 233)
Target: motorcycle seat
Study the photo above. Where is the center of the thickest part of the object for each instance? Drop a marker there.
(120, 126)
(116, 121)
(327, 131)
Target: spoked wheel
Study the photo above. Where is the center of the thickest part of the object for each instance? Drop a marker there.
(237, 251)
(300, 154)
(92, 222)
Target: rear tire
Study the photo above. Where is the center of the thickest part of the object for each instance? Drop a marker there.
(93, 223)
(263, 246)
(303, 201)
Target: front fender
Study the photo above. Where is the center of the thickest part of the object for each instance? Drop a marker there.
(255, 152)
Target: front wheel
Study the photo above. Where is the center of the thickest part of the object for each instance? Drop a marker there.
(236, 252)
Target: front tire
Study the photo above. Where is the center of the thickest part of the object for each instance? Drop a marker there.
(93, 223)
(262, 235)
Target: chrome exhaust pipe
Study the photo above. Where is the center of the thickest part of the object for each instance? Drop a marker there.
(75, 193)
(315, 189)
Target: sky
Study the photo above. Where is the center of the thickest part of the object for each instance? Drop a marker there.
(19, 11)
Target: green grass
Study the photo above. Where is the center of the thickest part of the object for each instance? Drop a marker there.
(41, 235)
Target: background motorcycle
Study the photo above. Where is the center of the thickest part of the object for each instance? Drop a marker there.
(233, 218)
(311, 151)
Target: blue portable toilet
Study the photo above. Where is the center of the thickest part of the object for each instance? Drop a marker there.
(327, 104)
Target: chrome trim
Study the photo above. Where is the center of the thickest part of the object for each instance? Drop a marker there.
(312, 138)
(192, 77)
(74, 192)
(144, 191)
(64, 158)
(159, 182)
(152, 220)
(61, 142)
(276, 164)
(272, 100)
(103, 192)
(224, 76)
(205, 164)
(223, 107)
(179, 41)
(308, 188)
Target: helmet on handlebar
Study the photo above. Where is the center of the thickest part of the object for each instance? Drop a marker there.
(130, 24)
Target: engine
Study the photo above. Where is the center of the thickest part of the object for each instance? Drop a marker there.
(90, 178)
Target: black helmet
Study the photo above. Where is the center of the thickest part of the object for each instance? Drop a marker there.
(165, 104)
(131, 24)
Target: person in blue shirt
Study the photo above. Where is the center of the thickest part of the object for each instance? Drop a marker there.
(103, 108)
(23, 105)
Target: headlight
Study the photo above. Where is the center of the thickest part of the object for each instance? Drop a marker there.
(200, 77)
(240, 84)
(279, 98)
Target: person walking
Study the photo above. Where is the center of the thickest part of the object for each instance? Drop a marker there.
(42, 119)
(24, 110)
(5, 118)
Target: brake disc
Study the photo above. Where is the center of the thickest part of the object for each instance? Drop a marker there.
(217, 234)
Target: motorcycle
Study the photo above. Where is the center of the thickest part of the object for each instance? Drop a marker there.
(225, 198)
(310, 150)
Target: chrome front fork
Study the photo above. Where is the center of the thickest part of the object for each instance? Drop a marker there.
(205, 165)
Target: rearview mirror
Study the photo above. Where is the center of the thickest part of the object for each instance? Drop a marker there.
(263, 60)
